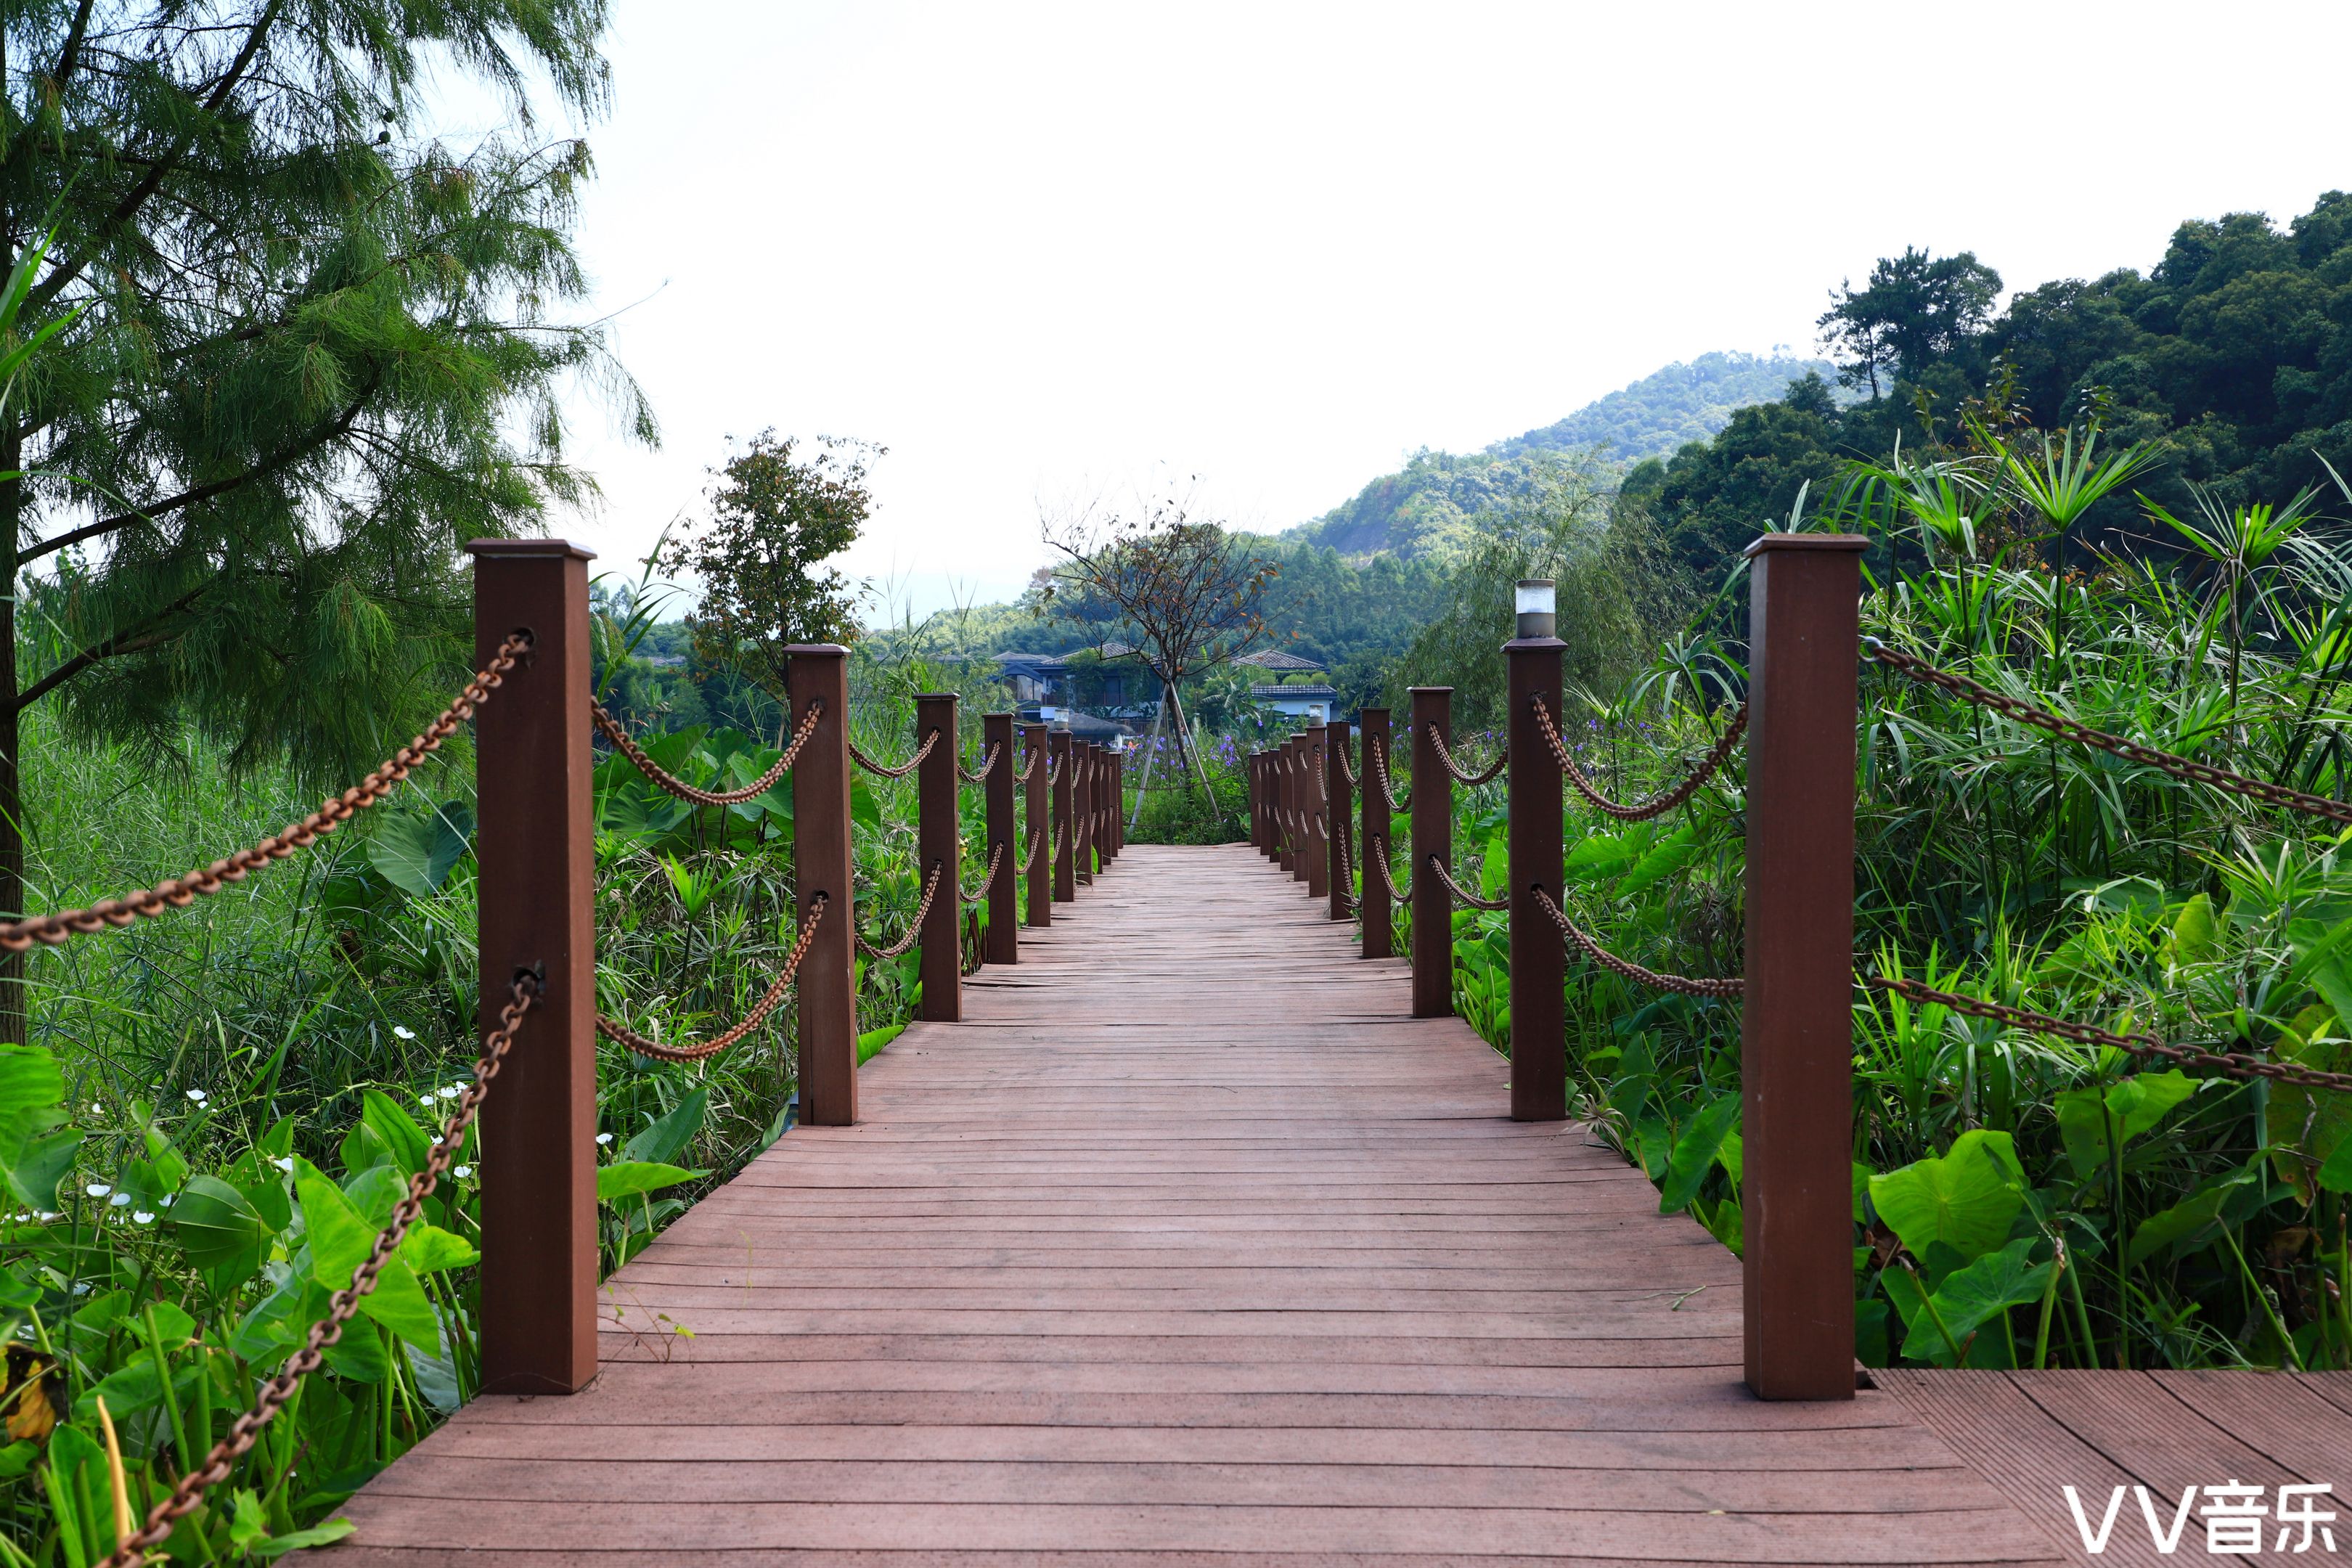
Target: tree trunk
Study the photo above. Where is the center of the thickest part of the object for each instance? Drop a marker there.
(15, 1009)
(1184, 747)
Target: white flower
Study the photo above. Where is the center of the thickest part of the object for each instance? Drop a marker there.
(47, 1214)
(404, 1032)
(285, 1164)
(603, 1138)
(196, 1096)
(96, 1109)
(426, 1101)
(452, 1092)
(120, 1200)
(462, 1172)
(97, 1189)
(166, 1199)
(142, 1216)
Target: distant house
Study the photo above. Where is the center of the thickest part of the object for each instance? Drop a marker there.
(1309, 700)
(1279, 664)
(1039, 681)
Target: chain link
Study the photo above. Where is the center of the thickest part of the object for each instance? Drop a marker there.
(1682, 985)
(1388, 878)
(1462, 893)
(1037, 845)
(1657, 804)
(988, 878)
(980, 774)
(684, 791)
(2235, 1064)
(180, 891)
(1378, 757)
(913, 933)
(2082, 734)
(903, 769)
(1445, 756)
(620, 1034)
(1028, 768)
(342, 1306)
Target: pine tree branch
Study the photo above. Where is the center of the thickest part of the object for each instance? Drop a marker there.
(70, 56)
(134, 638)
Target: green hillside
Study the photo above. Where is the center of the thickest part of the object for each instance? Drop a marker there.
(1656, 414)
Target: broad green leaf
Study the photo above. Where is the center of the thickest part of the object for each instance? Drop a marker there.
(628, 1178)
(402, 1138)
(1971, 1297)
(220, 1229)
(2337, 1174)
(1671, 855)
(1695, 1151)
(870, 1043)
(668, 1138)
(321, 1534)
(1596, 859)
(35, 1149)
(429, 1249)
(2192, 1218)
(1495, 870)
(1966, 1200)
(2136, 1104)
(340, 1240)
(2196, 934)
(415, 852)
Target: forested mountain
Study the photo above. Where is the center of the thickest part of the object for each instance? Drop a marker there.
(1432, 505)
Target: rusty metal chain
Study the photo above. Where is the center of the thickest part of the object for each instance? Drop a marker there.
(1344, 842)
(1445, 756)
(1037, 844)
(1682, 985)
(1029, 767)
(342, 1306)
(2235, 1064)
(1462, 893)
(1388, 878)
(1657, 804)
(178, 892)
(1378, 758)
(620, 1034)
(2082, 734)
(988, 878)
(1347, 768)
(914, 931)
(980, 774)
(684, 791)
(903, 769)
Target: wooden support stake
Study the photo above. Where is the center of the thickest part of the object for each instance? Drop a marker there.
(1082, 809)
(1294, 807)
(1116, 821)
(1337, 813)
(1318, 812)
(939, 842)
(1539, 951)
(1797, 1015)
(1003, 942)
(1433, 838)
(1380, 921)
(1064, 847)
(533, 760)
(1254, 771)
(1038, 817)
(818, 673)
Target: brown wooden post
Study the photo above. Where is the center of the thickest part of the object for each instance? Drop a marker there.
(1117, 802)
(1318, 814)
(939, 842)
(537, 848)
(1037, 819)
(1797, 1015)
(1433, 838)
(827, 1013)
(1277, 798)
(1539, 951)
(1082, 810)
(1003, 942)
(1379, 921)
(1338, 812)
(1262, 783)
(1294, 807)
(1062, 847)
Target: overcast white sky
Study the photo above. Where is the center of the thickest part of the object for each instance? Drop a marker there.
(1035, 248)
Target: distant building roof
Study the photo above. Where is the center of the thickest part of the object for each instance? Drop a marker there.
(1085, 726)
(1117, 649)
(1293, 693)
(1276, 659)
(1034, 660)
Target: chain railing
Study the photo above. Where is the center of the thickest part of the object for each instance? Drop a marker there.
(1445, 760)
(1029, 768)
(900, 771)
(1683, 985)
(1657, 804)
(279, 1390)
(914, 931)
(2082, 734)
(1378, 759)
(1461, 893)
(677, 786)
(1387, 880)
(979, 774)
(20, 936)
(645, 1046)
(987, 878)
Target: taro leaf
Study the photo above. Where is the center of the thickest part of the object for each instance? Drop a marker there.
(2194, 932)
(1495, 870)
(1966, 1200)
(1598, 857)
(1671, 854)
(414, 853)
(341, 1239)
(169, 1165)
(403, 1140)
(1694, 1152)
(1971, 1297)
(2136, 1103)
(628, 1178)
(2306, 1126)
(362, 1150)
(35, 1150)
(323, 1534)
(429, 1249)
(2337, 1174)
(870, 1043)
(2191, 1220)
(668, 1138)
(863, 810)
(221, 1230)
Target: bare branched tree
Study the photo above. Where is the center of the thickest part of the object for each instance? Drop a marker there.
(1155, 581)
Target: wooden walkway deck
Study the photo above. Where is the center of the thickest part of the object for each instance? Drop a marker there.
(1189, 1248)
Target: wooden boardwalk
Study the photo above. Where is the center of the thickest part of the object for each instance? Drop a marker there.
(1187, 1247)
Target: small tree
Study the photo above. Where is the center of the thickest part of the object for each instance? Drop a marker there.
(1177, 587)
(774, 520)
